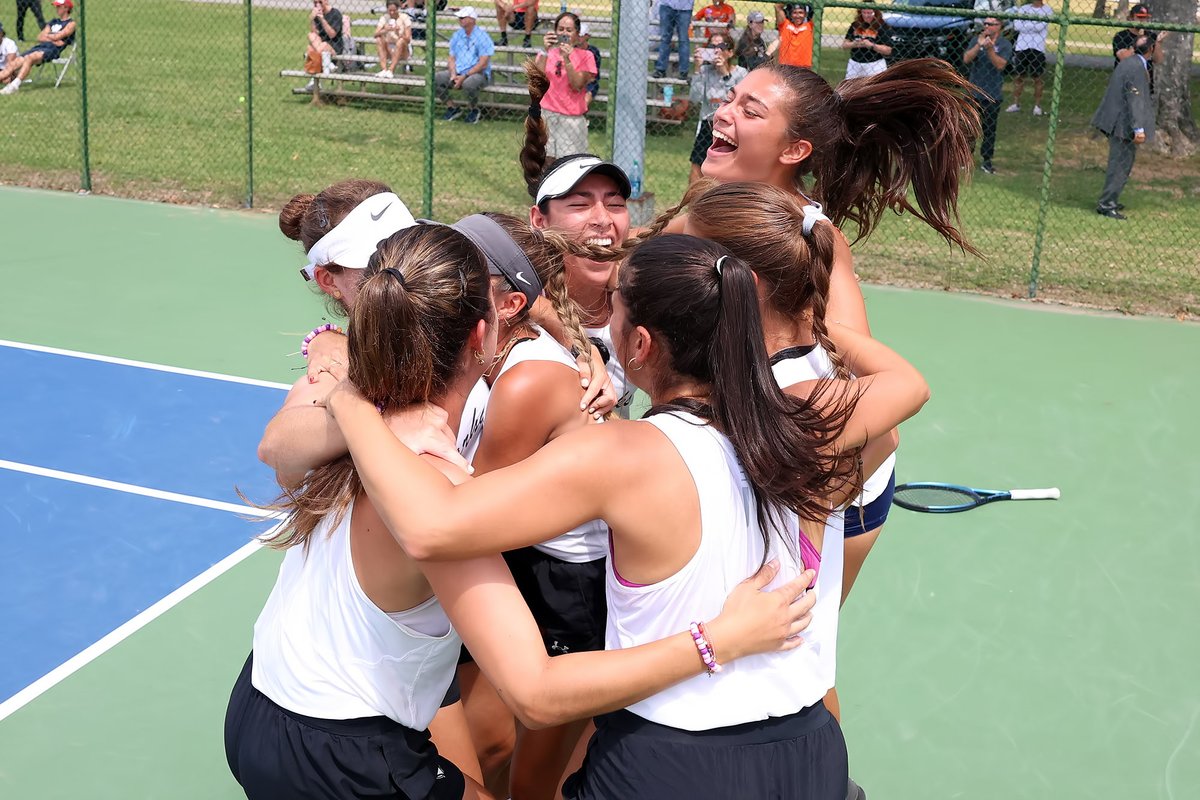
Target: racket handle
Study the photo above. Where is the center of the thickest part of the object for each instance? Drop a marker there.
(1035, 494)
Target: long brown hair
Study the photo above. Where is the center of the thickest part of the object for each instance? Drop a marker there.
(533, 149)
(875, 24)
(912, 125)
(701, 301)
(423, 292)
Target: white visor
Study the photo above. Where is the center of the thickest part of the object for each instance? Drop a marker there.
(353, 240)
(563, 178)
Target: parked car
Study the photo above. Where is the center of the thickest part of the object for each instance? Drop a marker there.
(917, 35)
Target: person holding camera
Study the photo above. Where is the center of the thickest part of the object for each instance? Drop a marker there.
(716, 74)
(324, 37)
(570, 68)
(987, 57)
(1126, 117)
(869, 41)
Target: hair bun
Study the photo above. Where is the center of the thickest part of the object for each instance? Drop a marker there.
(292, 215)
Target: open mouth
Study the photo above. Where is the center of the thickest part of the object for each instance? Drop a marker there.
(721, 144)
(599, 241)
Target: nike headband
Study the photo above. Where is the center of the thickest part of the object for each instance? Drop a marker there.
(352, 241)
(503, 255)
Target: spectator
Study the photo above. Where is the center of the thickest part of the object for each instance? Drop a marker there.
(1126, 117)
(674, 18)
(570, 67)
(718, 11)
(795, 35)
(325, 36)
(469, 66)
(756, 44)
(585, 38)
(8, 49)
(1030, 56)
(29, 5)
(522, 14)
(715, 75)
(393, 37)
(1123, 41)
(53, 39)
(987, 75)
(869, 40)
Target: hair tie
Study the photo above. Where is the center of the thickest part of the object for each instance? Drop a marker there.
(535, 110)
(813, 213)
(395, 273)
(720, 263)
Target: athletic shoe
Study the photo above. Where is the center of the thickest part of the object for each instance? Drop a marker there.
(527, 41)
(311, 86)
(451, 113)
(988, 168)
(1111, 213)
(504, 39)
(386, 73)
(658, 73)
(472, 117)
(1037, 111)
(1014, 108)
(11, 88)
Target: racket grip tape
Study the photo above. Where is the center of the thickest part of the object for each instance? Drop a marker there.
(1035, 494)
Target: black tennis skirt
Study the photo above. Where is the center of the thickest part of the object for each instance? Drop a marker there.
(798, 757)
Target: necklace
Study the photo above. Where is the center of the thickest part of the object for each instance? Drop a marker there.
(516, 338)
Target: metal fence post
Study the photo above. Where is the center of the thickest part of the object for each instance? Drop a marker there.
(817, 23)
(430, 80)
(85, 160)
(629, 116)
(1060, 60)
(614, 60)
(248, 101)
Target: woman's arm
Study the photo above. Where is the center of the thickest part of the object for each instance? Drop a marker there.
(301, 436)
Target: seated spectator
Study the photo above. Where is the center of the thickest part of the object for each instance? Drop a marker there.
(795, 35)
(523, 16)
(716, 73)
(58, 35)
(757, 44)
(718, 11)
(585, 39)
(869, 40)
(570, 67)
(324, 36)
(8, 49)
(393, 37)
(468, 67)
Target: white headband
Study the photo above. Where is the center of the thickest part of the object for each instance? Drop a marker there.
(812, 215)
(352, 241)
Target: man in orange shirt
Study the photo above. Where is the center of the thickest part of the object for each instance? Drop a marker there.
(795, 36)
(718, 11)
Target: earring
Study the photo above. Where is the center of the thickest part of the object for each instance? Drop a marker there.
(479, 359)
(630, 366)
(337, 295)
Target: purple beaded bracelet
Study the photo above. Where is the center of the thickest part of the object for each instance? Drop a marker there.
(314, 333)
(706, 651)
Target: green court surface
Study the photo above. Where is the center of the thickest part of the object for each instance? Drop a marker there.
(1037, 650)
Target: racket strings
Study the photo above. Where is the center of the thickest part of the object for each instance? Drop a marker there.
(935, 496)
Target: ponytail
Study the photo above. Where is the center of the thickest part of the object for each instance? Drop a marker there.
(533, 151)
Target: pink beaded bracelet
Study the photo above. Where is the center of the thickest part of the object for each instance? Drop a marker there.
(314, 333)
(706, 652)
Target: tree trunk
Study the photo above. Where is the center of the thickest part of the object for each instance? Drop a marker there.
(1122, 11)
(1177, 133)
(1100, 9)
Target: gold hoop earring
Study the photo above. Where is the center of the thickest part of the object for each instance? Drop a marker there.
(479, 359)
(629, 366)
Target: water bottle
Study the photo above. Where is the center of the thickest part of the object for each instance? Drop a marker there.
(668, 94)
(635, 181)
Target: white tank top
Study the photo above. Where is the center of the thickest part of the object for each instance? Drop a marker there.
(804, 364)
(470, 428)
(730, 550)
(589, 541)
(323, 649)
(616, 371)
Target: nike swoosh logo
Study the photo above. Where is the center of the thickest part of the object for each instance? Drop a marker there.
(376, 217)
(521, 277)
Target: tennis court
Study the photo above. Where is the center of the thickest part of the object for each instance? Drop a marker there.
(1022, 650)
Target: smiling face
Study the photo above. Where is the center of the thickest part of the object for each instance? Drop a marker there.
(750, 134)
(593, 212)
(797, 16)
(566, 30)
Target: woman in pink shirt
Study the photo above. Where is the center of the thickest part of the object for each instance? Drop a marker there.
(570, 69)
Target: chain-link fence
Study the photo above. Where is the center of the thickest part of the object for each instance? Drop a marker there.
(247, 102)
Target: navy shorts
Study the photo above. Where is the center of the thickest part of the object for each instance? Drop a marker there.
(49, 51)
(799, 756)
(275, 753)
(567, 599)
(519, 19)
(874, 513)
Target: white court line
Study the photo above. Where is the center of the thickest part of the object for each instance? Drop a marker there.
(129, 488)
(125, 362)
(97, 649)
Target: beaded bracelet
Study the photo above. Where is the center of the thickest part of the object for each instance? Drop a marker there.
(314, 333)
(706, 652)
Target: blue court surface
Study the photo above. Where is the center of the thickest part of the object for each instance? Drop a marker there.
(119, 483)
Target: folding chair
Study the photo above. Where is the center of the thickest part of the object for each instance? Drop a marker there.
(59, 67)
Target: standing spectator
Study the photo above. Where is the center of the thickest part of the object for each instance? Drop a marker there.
(325, 36)
(8, 49)
(54, 38)
(674, 17)
(29, 5)
(570, 67)
(795, 35)
(869, 41)
(756, 44)
(585, 39)
(715, 75)
(523, 16)
(1126, 117)
(718, 11)
(469, 66)
(1123, 41)
(987, 56)
(1030, 56)
(393, 37)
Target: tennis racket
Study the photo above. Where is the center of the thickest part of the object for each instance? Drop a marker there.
(947, 498)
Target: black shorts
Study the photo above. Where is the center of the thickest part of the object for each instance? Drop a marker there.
(567, 599)
(274, 753)
(1029, 62)
(519, 20)
(454, 693)
(703, 141)
(873, 514)
(799, 756)
(49, 51)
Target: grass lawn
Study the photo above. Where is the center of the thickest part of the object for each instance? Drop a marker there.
(166, 79)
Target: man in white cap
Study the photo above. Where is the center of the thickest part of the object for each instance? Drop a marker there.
(468, 67)
(585, 41)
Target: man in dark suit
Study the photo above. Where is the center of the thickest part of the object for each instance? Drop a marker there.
(1126, 117)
